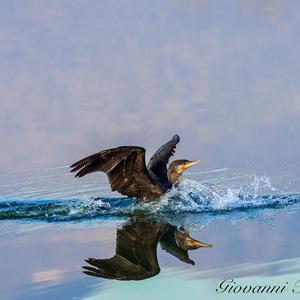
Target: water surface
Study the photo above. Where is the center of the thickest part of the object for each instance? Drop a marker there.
(49, 230)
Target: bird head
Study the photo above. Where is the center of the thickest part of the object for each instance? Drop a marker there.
(180, 165)
(185, 242)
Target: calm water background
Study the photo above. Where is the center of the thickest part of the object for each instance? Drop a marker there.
(76, 77)
(80, 76)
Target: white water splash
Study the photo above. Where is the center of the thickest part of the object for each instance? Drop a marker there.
(192, 196)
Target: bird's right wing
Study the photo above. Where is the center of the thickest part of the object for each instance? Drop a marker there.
(126, 170)
(168, 243)
(158, 162)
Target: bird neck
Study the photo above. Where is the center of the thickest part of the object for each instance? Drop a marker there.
(174, 177)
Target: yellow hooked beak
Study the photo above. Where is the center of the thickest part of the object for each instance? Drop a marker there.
(191, 163)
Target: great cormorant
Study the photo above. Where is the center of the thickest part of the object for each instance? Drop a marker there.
(127, 171)
(136, 251)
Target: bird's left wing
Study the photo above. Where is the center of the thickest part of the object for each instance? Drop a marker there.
(126, 170)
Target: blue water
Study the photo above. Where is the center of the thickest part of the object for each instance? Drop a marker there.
(53, 195)
(39, 207)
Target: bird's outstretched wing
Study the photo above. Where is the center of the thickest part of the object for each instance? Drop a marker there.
(135, 257)
(158, 162)
(126, 170)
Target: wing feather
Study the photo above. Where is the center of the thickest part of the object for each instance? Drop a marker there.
(159, 161)
(135, 256)
(126, 170)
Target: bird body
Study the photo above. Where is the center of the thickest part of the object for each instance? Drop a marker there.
(128, 174)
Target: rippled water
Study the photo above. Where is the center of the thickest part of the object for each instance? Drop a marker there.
(53, 195)
(39, 207)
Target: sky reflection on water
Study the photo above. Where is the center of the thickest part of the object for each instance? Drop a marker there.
(51, 261)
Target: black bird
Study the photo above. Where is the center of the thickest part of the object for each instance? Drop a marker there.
(127, 171)
(136, 251)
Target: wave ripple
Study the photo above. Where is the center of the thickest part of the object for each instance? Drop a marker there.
(189, 197)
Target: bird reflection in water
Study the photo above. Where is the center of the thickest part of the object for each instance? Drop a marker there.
(136, 251)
